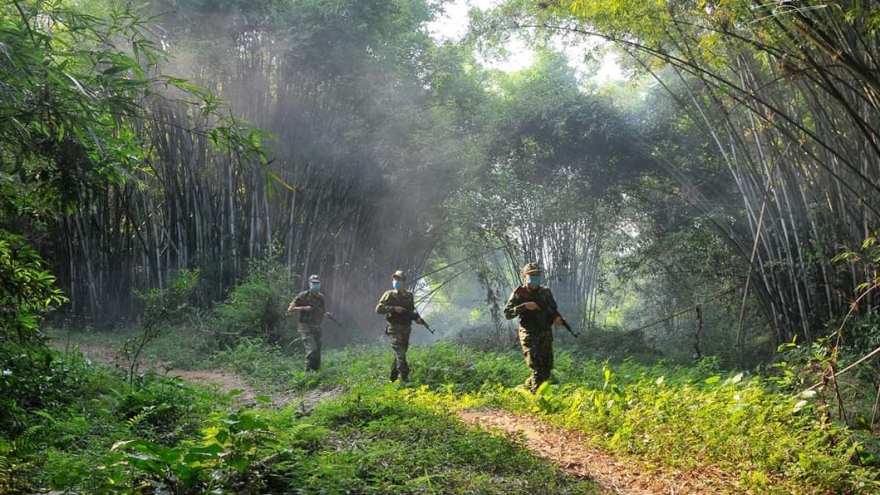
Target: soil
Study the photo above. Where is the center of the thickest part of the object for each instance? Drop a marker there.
(223, 381)
(571, 451)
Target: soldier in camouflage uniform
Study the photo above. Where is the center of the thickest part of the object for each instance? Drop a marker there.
(311, 308)
(536, 308)
(398, 306)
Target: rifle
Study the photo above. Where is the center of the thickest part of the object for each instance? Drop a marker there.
(567, 326)
(523, 293)
(425, 324)
(331, 318)
(328, 316)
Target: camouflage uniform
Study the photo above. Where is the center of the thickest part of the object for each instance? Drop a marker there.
(399, 327)
(535, 330)
(310, 326)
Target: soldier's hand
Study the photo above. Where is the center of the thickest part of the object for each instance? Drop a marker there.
(290, 309)
(557, 320)
(327, 314)
(420, 321)
(399, 309)
(307, 308)
(531, 306)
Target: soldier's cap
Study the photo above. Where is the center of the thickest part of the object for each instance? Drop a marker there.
(315, 278)
(399, 274)
(531, 267)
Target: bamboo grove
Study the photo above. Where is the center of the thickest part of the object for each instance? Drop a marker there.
(713, 191)
(344, 191)
(787, 93)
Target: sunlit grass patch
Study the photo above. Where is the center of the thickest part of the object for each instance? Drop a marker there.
(383, 443)
(773, 442)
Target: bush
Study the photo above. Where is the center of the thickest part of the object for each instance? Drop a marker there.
(256, 307)
(26, 290)
(258, 361)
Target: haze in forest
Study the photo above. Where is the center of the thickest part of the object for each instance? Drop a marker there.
(358, 138)
(697, 182)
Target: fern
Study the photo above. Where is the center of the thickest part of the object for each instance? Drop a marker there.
(26, 441)
(135, 420)
(5, 463)
(298, 429)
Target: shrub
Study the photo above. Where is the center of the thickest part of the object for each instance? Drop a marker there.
(256, 307)
(26, 290)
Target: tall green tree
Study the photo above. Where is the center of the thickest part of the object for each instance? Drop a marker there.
(558, 169)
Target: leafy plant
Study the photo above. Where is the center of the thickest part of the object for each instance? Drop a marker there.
(230, 447)
(160, 306)
(257, 306)
(26, 290)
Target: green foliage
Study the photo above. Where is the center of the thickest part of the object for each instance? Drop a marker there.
(78, 80)
(859, 327)
(67, 94)
(257, 360)
(160, 307)
(683, 417)
(26, 290)
(73, 89)
(380, 438)
(65, 414)
(686, 420)
(381, 443)
(258, 305)
(32, 380)
(224, 458)
(38, 393)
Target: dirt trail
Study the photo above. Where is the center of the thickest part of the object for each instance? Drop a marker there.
(571, 451)
(224, 381)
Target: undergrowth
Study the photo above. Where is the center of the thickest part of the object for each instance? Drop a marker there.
(760, 429)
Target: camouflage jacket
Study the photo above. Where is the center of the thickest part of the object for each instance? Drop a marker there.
(316, 301)
(528, 319)
(401, 298)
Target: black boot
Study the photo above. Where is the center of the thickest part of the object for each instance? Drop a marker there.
(394, 374)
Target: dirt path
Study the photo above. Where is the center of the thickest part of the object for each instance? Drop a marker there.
(224, 381)
(571, 451)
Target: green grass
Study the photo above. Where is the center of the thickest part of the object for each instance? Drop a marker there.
(94, 432)
(378, 442)
(186, 349)
(61, 415)
(658, 416)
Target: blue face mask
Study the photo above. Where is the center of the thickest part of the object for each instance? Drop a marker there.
(533, 280)
(315, 287)
(398, 284)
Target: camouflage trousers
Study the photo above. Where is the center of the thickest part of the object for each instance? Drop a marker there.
(398, 337)
(537, 345)
(311, 339)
